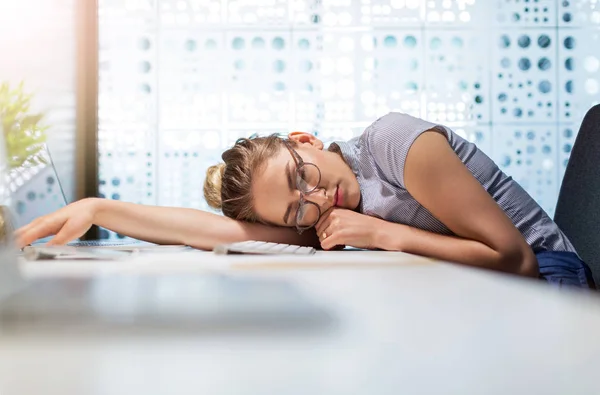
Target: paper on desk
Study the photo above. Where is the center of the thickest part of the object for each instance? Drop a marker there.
(35, 253)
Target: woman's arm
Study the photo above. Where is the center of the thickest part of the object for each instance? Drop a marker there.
(162, 225)
(196, 228)
(436, 177)
(341, 226)
(399, 237)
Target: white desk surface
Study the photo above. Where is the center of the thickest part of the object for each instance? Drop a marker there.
(407, 325)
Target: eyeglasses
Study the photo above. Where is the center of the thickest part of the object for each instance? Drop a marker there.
(308, 177)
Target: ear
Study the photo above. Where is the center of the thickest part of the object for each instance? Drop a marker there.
(306, 138)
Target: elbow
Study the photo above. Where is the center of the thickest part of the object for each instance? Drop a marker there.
(529, 267)
(522, 262)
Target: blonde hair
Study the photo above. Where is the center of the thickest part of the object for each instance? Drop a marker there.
(228, 185)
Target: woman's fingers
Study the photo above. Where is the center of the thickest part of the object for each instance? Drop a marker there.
(23, 229)
(325, 232)
(70, 230)
(325, 228)
(323, 221)
(330, 242)
(66, 224)
(42, 228)
(328, 236)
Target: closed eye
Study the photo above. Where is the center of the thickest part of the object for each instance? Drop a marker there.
(301, 178)
(288, 174)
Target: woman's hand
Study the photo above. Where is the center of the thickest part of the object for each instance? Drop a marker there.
(68, 223)
(339, 226)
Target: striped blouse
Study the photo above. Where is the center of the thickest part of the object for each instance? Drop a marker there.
(377, 158)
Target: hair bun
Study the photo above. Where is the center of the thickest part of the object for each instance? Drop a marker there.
(212, 185)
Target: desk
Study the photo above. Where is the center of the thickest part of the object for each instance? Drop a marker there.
(408, 325)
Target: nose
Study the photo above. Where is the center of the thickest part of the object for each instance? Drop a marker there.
(319, 198)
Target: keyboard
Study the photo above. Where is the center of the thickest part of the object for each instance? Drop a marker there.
(104, 243)
(262, 248)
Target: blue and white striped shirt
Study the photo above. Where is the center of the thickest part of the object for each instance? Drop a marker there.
(377, 158)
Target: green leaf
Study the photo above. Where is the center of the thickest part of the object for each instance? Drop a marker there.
(23, 131)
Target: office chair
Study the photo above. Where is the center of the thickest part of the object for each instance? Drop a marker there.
(578, 207)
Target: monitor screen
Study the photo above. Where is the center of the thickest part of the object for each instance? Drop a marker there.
(35, 188)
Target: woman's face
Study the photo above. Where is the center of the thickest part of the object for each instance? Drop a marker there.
(276, 199)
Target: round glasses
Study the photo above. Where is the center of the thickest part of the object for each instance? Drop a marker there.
(308, 177)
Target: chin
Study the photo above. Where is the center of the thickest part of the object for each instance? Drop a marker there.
(355, 202)
(348, 200)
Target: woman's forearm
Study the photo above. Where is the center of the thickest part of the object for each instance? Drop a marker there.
(455, 249)
(196, 228)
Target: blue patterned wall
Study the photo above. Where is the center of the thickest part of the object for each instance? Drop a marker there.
(181, 80)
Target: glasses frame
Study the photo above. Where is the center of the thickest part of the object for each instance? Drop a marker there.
(300, 164)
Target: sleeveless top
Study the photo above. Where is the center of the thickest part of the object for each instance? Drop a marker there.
(377, 159)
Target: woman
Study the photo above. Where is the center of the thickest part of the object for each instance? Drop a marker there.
(405, 185)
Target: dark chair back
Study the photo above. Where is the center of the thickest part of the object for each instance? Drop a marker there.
(578, 207)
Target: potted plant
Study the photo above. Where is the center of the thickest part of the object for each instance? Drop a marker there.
(23, 134)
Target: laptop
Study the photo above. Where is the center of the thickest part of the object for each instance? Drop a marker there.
(209, 302)
(37, 191)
